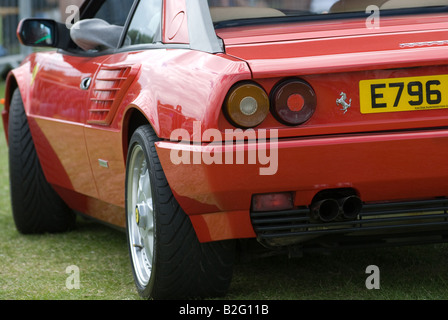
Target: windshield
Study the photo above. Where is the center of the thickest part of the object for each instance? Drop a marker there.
(226, 10)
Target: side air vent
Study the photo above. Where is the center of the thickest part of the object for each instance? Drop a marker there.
(110, 86)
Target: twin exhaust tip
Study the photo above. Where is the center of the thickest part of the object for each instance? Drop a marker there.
(329, 210)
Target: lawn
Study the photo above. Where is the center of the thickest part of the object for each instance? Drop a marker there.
(34, 267)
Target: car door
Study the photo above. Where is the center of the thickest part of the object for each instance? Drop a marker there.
(62, 90)
(57, 107)
(109, 95)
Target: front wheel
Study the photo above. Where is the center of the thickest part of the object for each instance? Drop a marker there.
(167, 259)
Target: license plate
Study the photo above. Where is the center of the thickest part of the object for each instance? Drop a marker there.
(404, 94)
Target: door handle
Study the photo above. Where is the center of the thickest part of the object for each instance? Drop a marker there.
(85, 83)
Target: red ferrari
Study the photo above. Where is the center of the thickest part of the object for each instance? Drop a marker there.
(205, 127)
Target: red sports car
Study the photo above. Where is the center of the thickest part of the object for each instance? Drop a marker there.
(204, 127)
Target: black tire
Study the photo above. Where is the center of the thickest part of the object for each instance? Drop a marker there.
(36, 207)
(181, 267)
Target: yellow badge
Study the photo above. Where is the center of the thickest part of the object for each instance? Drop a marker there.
(35, 71)
(137, 215)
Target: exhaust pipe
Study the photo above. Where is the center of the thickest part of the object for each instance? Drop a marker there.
(350, 207)
(326, 210)
(329, 210)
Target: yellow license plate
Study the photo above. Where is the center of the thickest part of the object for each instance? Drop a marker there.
(404, 94)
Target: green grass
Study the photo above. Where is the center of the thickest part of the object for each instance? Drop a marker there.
(34, 267)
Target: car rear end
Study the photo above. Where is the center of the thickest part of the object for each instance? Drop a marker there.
(358, 109)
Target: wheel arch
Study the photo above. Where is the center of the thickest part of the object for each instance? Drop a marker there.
(132, 120)
(11, 86)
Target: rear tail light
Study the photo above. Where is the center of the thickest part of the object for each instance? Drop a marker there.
(272, 202)
(246, 105)
(293, 102)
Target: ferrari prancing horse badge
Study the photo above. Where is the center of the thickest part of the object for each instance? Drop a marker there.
(343, 103)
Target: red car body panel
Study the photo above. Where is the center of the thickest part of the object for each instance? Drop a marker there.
(337, 57)
(378, 166)
(59, 123)
(384, 157)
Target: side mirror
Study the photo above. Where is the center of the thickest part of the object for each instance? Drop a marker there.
(43, 33)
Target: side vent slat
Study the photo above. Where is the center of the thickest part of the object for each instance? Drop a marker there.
(110, 86)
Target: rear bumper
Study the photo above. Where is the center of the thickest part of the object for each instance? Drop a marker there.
(380, 224)
(379, 166)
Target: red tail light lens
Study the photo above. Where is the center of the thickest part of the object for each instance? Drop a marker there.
(293, 102)
(246, 105)
(272, 202)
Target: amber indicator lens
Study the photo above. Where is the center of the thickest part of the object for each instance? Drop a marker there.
(246, 105)
(293, 102)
